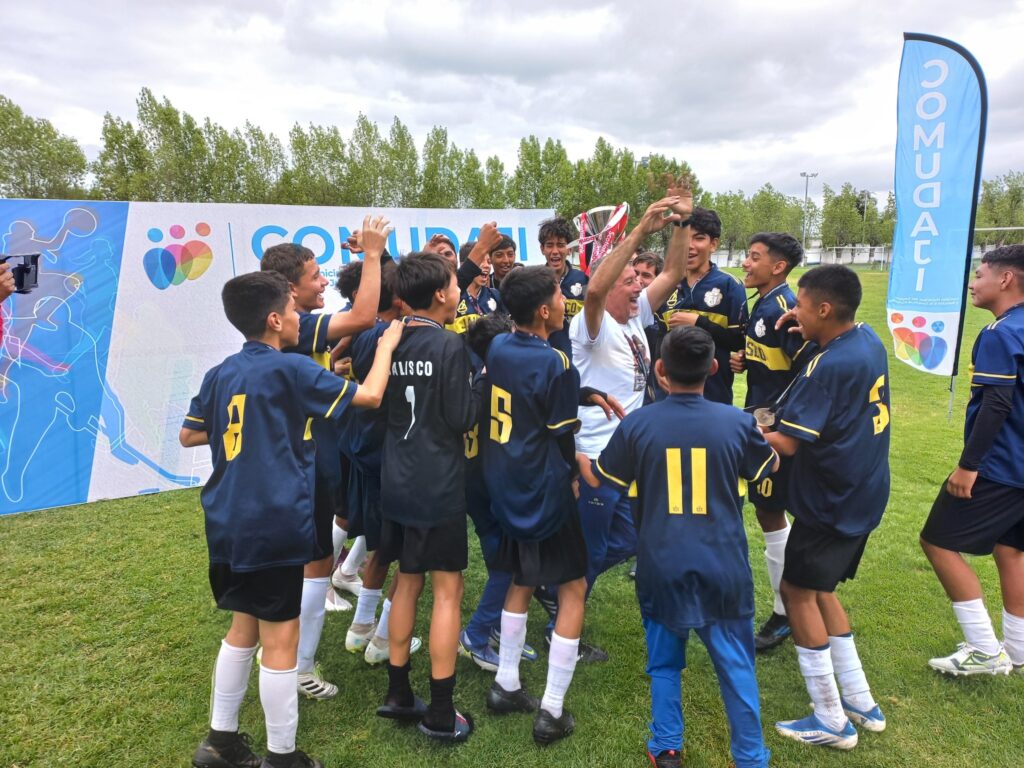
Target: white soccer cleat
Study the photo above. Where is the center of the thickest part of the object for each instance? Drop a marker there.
(810, 730)
(351, 584)
(968, 660)
(336, 602)
(378, 651)
(358, 636)
(313, 686)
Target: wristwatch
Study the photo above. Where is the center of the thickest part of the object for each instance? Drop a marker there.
(684, 222)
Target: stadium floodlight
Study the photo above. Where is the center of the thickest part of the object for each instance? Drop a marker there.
(807, 183)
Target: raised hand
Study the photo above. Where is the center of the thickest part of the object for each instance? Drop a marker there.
(373, 237)
(659, 215)
(489, 236)
(390, 338)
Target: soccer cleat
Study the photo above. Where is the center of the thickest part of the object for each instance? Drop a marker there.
(351, 584)
(226, 750)
(529, 652)
(358, 636)
(772, 633)
(870, 720)
(810, 730)
(296, 759)
(312, 686)
(463, 727)
(503, 702)
(968, 660)
(547, 729)
(378, 651)
(1018, 669)
(548, 599)
(336, 602)
(482, 655)
(393, 710)
(669, 758)
(586, 654)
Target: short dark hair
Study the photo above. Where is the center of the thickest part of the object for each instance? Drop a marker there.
(524, 291)
(287, 258)
(704, 221)
(465, 249)
(444, 239)
(781, 246)
(651, 259)
(248, 299)
(482, 331)
(351, 276)
(836, 284)
(1006, 257)
(557, 227)
(506, 242)
(686, 353)
(419, 275)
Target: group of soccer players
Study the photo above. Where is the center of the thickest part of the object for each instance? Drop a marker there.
(578, 421)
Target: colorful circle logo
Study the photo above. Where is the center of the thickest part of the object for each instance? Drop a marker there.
(175, 263)
(919, 348)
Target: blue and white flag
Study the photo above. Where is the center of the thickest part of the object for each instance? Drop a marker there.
(941, 111)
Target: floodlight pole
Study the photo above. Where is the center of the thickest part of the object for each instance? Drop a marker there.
(807, 183)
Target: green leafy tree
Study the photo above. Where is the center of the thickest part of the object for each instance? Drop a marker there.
(439, 179)
(841, 222)
(123, 170)
(317, 174)
(178, 146)
(525, 187)
(496, 182)
(37, 161)
(401, 172)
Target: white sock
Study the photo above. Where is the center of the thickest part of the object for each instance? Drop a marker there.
(561, 664)
(279, 696)
(230, 680)
(311, 620)
(977, 625)
(775, 557)
(510, 650)
(1013, 637)
(366, 606)
(816, 667)
(338, 537)
(850, 672)
(355, 558)
(382, 625)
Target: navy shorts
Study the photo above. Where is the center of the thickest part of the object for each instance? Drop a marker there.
(771, 494)
(819, 559)
(419, 549)
(270, 594)
(558, 559)
(993, 515)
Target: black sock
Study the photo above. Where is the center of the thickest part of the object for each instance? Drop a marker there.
(399, 690)
(441, 711)
(276, 760)
(222, 738)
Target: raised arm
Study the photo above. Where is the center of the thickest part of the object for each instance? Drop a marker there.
(678, 248)
(372, 239)
(371, 391)
(655, 218)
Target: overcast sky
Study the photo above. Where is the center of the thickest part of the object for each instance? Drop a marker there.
(746, 92)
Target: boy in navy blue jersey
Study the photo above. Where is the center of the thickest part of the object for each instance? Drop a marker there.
(835, 424)
(980, 509)
(317, 332)
(770, 360)
(531, 397)
(254, 411)
(710, 299)
(686, 455)
(555, 236)
(430, 405)
(479, 297)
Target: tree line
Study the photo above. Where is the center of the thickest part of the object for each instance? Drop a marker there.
(168, 155)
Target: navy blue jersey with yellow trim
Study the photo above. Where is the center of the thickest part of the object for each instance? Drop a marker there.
(473, 308)
(255, 407)
(574, 288)
(689, 458)
(997, 360)
(531, 396)
(838, 408)
(313, 338)
(720, 298)
(364, 433)
(770, 354)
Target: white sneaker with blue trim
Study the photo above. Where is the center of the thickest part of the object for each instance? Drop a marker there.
(871, 720)
(811, 730)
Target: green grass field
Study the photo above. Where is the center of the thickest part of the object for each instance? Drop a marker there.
(109, 635)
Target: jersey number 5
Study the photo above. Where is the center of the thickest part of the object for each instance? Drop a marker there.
(501, 415)
(233, 434)
(698, 480)
(881, 419)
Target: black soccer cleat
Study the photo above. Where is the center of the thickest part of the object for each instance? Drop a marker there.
(585, 654)
(460, 733)
(296, 759)
(669, 758)
(393, 709)
(547, 729)
(503, 702)
(772, 633)
(223, 749)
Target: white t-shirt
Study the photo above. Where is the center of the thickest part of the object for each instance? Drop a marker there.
(616, 362)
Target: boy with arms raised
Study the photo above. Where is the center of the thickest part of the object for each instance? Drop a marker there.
(685, 455)
(253, 410)
(431, 404)
(980, 509)
(770, 362)
(835, 425)
(532, 392)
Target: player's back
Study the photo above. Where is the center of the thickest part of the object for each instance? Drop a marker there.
(430, 405)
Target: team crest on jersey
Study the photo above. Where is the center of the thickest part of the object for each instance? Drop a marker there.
(576, 289)
(713, 297)
(759, 328)
(492, 304)
(673, 299)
